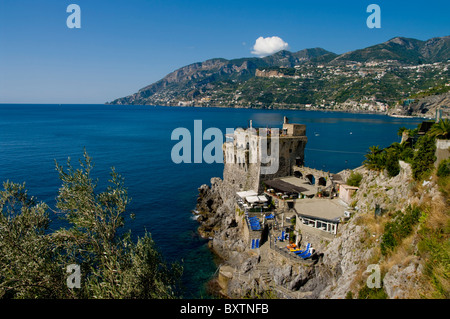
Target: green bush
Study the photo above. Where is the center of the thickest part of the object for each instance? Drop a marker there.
(354, 179)
(444, 168)
(372, 293)
(391, 163)
(424, 157)
(400, 227)
(421, 155)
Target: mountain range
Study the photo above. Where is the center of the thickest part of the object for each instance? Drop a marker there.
(307, 78)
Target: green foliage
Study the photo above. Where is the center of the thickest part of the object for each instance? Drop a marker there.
(391, 162)
(443, 169)
(374, 159)
(440, 89)
(385, 159)
(434, 244)
(29, 266)
(424, 157)
(354, 179)
(441, 130)
(420, 155)
(401, 130)
(33, 259)
(372, 293)
(399, 228)
(436, 247)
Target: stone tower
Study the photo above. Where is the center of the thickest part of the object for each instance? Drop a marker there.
(244, 169)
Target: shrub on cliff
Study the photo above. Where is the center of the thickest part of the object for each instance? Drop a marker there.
(421, 156)
(424, 157)
(354, 179)
(443, 169)
(399, 228)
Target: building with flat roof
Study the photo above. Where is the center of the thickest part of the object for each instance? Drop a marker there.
(320, 214)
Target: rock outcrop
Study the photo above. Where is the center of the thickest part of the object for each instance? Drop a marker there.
(424, 107)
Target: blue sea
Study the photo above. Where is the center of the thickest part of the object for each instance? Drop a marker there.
(136, 140)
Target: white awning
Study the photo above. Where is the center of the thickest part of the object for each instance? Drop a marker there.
(262, 199)
(252, 199)
(256, 199)
(245, 194)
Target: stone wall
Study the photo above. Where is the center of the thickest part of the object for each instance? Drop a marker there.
(442, 151)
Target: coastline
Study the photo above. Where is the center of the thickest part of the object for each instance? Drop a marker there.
(280, 109)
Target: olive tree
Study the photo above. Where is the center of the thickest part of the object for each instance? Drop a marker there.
(33, 259)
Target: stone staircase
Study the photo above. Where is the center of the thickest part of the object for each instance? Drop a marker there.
(264, 275)
(266, 280)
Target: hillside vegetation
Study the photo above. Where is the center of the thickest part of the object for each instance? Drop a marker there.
(405, 211)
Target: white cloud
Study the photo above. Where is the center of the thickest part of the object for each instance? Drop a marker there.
(268, 46)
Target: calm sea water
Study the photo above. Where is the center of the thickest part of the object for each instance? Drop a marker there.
(136, 140)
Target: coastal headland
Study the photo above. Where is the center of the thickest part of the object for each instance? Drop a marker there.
(306, 233)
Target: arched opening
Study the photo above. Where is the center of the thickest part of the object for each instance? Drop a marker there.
(322, 181)
(298, 174)
(311, 179)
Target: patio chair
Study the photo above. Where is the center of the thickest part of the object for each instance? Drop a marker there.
(307, 254)
(300, 252)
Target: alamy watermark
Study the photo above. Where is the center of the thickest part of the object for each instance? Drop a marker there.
(74, 279)
(74, 19)
(374, 279)
(190, 148)
(374, 20)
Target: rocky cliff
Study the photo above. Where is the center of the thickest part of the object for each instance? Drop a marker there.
(423, 107)
(341, 269)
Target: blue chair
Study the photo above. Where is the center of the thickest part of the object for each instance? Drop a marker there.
(307, 255)
(253, 244)
(257, 243)
(299, 252)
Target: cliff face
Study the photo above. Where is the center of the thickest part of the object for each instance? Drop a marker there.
(342, 267)
(424, 107)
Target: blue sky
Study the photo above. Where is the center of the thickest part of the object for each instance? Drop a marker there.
(123, 46)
